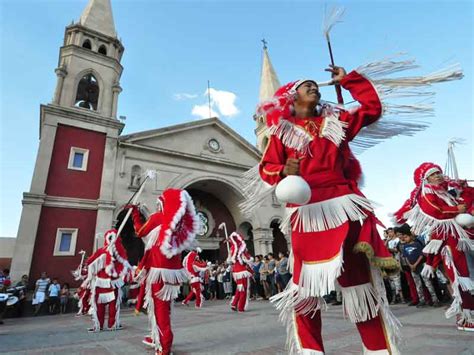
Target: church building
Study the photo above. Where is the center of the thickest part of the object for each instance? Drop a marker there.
(86, 170)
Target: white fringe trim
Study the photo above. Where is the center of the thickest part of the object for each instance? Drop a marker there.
(328, 214)
(466, 315)
(117, 283)
(106, 297)
(102, 283)
(428, 271)
(290, 303)
(333, 129)
(149, 304)
(465, 283)
(93, 309)
(169, 276)
(118, 303)
(169, 248)
(375, 352)
(318, 279)
(433, 246)
(292, 136)
(241, 275)
(291, 262)
(391, 323)
(94, 267)
(424, 223)
(360, 302)
(168, 292)
(255, 190)
(152, 237)
(400, 118)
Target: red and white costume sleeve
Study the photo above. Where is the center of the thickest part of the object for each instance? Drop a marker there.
(432, 210)
(336, 227)
(193, 267)
(160, 271)
(241, 259)
(108, 269)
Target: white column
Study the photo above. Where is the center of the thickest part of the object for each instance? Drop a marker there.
(32, 203)
(106, 204)
(43, 159)
(262, 238)
(116, 89)
(61, 74)
(26, 237)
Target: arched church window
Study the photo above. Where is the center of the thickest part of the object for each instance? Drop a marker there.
(87, 44)
(87, 93)
(204, 228)
(103, 50)
(136, 176)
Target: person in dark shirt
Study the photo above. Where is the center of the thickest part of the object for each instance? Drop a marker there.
(413, 254)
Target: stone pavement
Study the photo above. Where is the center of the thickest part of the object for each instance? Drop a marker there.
(216, 330)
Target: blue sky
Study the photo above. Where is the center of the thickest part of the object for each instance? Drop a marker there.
(174, 47)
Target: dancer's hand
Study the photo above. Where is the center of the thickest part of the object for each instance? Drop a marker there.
(462, 208)
(292, 167)
(338, 73)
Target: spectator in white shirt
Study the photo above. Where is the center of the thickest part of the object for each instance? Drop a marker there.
(39, 295)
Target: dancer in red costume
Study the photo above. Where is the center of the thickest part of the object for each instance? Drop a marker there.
(83, 292)
(241, 271)
(108, 269)
(194, 266)
(334, 235)
(431, 209)
(160, 272)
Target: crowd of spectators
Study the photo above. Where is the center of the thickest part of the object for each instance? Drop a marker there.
(47, 296)
(270, 276)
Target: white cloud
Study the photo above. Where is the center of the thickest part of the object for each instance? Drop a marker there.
(224, 100)
(222, 104)
(202, 111)
(184, 96)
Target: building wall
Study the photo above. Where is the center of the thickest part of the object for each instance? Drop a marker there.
(7, 246)
(75, 183)
(51, 219)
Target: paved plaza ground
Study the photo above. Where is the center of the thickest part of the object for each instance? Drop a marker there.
(214, 329)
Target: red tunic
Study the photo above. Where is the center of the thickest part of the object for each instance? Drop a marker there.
(153, 256)
(324, 169)
(328, 171)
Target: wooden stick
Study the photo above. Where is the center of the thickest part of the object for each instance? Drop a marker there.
(340, 99)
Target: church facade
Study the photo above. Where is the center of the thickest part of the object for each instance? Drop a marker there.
(86, 170)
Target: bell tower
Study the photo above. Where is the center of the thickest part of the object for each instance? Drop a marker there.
(71, 193)
(89, 67)
(269, 83)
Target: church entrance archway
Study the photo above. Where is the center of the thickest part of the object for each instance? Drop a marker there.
(279, 241)
(216, 202)
(246, 230)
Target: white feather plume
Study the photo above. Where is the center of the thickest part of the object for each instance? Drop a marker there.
(331, 18)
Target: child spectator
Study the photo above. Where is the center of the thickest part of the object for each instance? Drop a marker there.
(53, 294)
(64, 297)
(412, 252)
(227, 279)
